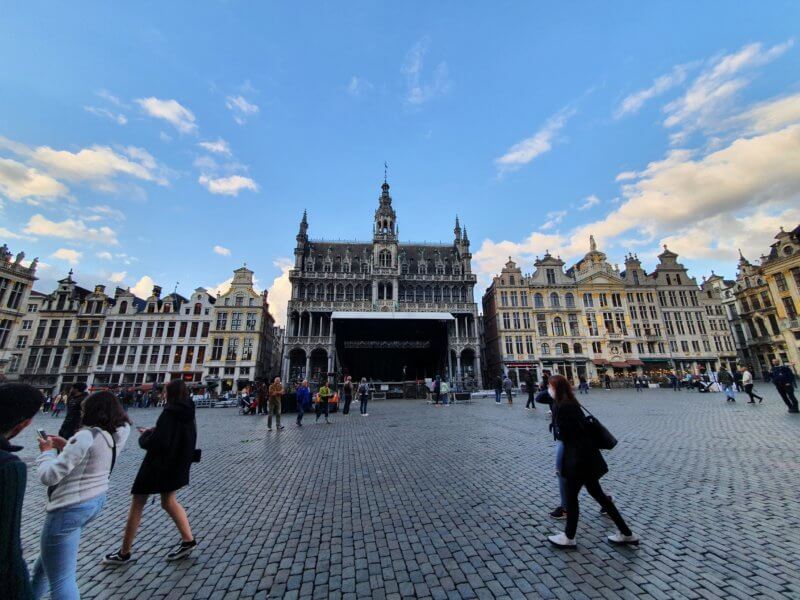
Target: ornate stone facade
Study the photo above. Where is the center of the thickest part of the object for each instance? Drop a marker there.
(16, 282)
(383, 275)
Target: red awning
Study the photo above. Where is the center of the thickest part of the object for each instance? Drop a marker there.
(635, 362)
(600, 361)
(619, 365)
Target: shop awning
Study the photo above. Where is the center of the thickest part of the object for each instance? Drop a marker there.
(657, 360)
(409, 316)
(635, 362)
(600, 361)
(619, 364)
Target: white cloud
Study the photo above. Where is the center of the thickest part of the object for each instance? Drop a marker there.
(106, 211)
(227, 186)
(710, 96)
(10, 235)
(633, 102)
(539, 143)
(491, 256)
(241, 108)
(171, 111)
(118, 277)
(68, 255)
(109, 97)
(70, 229)
(419, 90)
(164, 136)
(118, 118)
(589, 202)
(219, 146)
(220, 288)
(771, 115)
(105, 255)
(358, 86)
(144, 287)
(222, 251)
(280, 291)
(20, 182)
(554, 217)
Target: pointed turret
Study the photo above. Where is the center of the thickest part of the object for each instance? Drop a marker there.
(457, 230)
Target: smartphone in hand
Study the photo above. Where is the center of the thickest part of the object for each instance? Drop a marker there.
(42, 434)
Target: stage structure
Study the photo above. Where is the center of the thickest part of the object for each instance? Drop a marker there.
(393, 312)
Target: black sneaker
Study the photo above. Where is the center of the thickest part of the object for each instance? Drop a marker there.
(559, 513)
(281, 427)
(181, 550)
(116, 558)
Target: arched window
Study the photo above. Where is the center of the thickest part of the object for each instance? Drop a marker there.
(558, 327)
(348, 292)
(538, 301)
(339, 292)
(123, 307)
(545, 349)
(577, 348)
(555, 301)
(385, 258)
(569, 300)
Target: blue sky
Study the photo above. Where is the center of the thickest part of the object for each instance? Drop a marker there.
(171, 142)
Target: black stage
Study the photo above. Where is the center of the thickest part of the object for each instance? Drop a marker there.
(391, 349)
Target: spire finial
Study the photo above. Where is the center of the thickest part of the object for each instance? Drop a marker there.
(592, 244)
(385, 172)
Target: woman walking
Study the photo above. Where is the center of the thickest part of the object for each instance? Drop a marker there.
(348, 394)
(77, 481)
(363, 396)
(747, 382)
(581, 465)
(170, 447)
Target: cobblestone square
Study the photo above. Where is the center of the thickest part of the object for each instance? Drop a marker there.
(415, 501)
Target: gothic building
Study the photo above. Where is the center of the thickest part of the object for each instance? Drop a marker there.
(382, 309)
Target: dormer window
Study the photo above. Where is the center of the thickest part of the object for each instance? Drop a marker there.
(239, 300)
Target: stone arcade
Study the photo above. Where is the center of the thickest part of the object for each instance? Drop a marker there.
(383, 309)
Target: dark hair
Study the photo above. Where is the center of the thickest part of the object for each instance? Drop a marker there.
(103, 410)
(177, 393)
(563, 390)
(18, 402)
(79, 387)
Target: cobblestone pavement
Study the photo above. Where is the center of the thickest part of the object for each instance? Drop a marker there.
(425, 502)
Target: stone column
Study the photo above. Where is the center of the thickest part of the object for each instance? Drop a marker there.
(308, 365)
(457, 333)
(285, 372)
(458, 367)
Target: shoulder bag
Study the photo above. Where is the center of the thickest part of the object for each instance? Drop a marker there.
(601, 437)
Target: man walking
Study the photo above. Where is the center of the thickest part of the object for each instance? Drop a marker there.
(324, 394)
(508, 386)
(18, 405)
(530, 387)
(725, 381)
(303, 401)
(498, 389)
(783, 380)
(275, 395)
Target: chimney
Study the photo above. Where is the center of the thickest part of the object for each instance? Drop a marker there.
(157, 291)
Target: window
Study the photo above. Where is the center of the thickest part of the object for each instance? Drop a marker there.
(385, 258)
(176, 359)
(182, 329)
(591, 323)
(626, 347)
(603, 300)
(201, 355)
(236, 321)
(619, 321)
(541, 325)
(222, 321)
(509, 345)
(503, 298)
(569, 300)
(520, 348)
(577, 348)
(574, 328)
(526, 320)
(206, 327)
(143, 355)
(545, 349)
(551, 276)
(523, 296)
(558, 327)
(529, 344)
(193, 329)
(506, 321)
(233, 349)
(239, 301)
(538, 300)
(597, 347)
(608, 322)
(27, 325)
(32, 308)
(516, 320)
(22, 341)
(788, 304)
(616, 300)
(216, 349)
(588, 300)
(514, 299)
(555, 301)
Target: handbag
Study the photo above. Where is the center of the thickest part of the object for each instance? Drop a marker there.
(601, 437)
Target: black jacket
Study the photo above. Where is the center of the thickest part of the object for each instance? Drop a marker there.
(72, 420)
(14, 579)
(782, 376)
(170, 451)
(582, 460)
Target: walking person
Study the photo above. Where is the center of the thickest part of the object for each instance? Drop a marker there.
(637, 383)
(747, 383)
(607, 381)
(530, 387)
(347, 390)
(508, 387)
(261, 398)
(784, 381)
(363, 396)
(303, 396)
(323, 395)
(498, 389)
(18, 405)
(77, 481)
(275, 396)
(171, 450)
(445, 392)
(72, 421)
(582, 465)
(583, 385)
(61, 401)
(725, 381)
(437, 390)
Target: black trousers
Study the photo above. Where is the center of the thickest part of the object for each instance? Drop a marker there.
(531, 400)
(347, 401)
(322, 408)
(748, 389)
(573, 489)
(787, 395)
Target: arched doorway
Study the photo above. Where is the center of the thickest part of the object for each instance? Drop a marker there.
(297, 365)
(319, 365)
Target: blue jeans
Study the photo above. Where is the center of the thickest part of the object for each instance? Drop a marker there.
(364, 404)
(497, 395)
(729, 391)
(301, 410)
(562, 483)
(58, 559)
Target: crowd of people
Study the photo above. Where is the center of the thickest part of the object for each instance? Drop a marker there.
(75, 466)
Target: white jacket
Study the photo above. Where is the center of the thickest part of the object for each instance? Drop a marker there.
(81, 471)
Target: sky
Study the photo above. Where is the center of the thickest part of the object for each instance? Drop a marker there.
(170, 143)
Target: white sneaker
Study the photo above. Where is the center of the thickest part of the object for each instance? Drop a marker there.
(366, 414)
(624, 540)
(527, 408)
(562, 541)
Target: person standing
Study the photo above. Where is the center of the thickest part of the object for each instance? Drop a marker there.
(747, 384)
(607, 380)
(77, 480)
(725, 381)
(275, 396)
(303, 396)
(583, 385)
(498, 389)
(582, 465)
(171, 450)
(324, 396)
(445, 392)
(437, 390)
(72, 421)
(637, 383)
(261, 398)
(530, 387)
(18, 405)
(783, 379)
(508, 387)
(347, 390)
(363, 396)
(58, 406)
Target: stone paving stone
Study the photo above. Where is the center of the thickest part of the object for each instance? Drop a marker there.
(420, 502)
